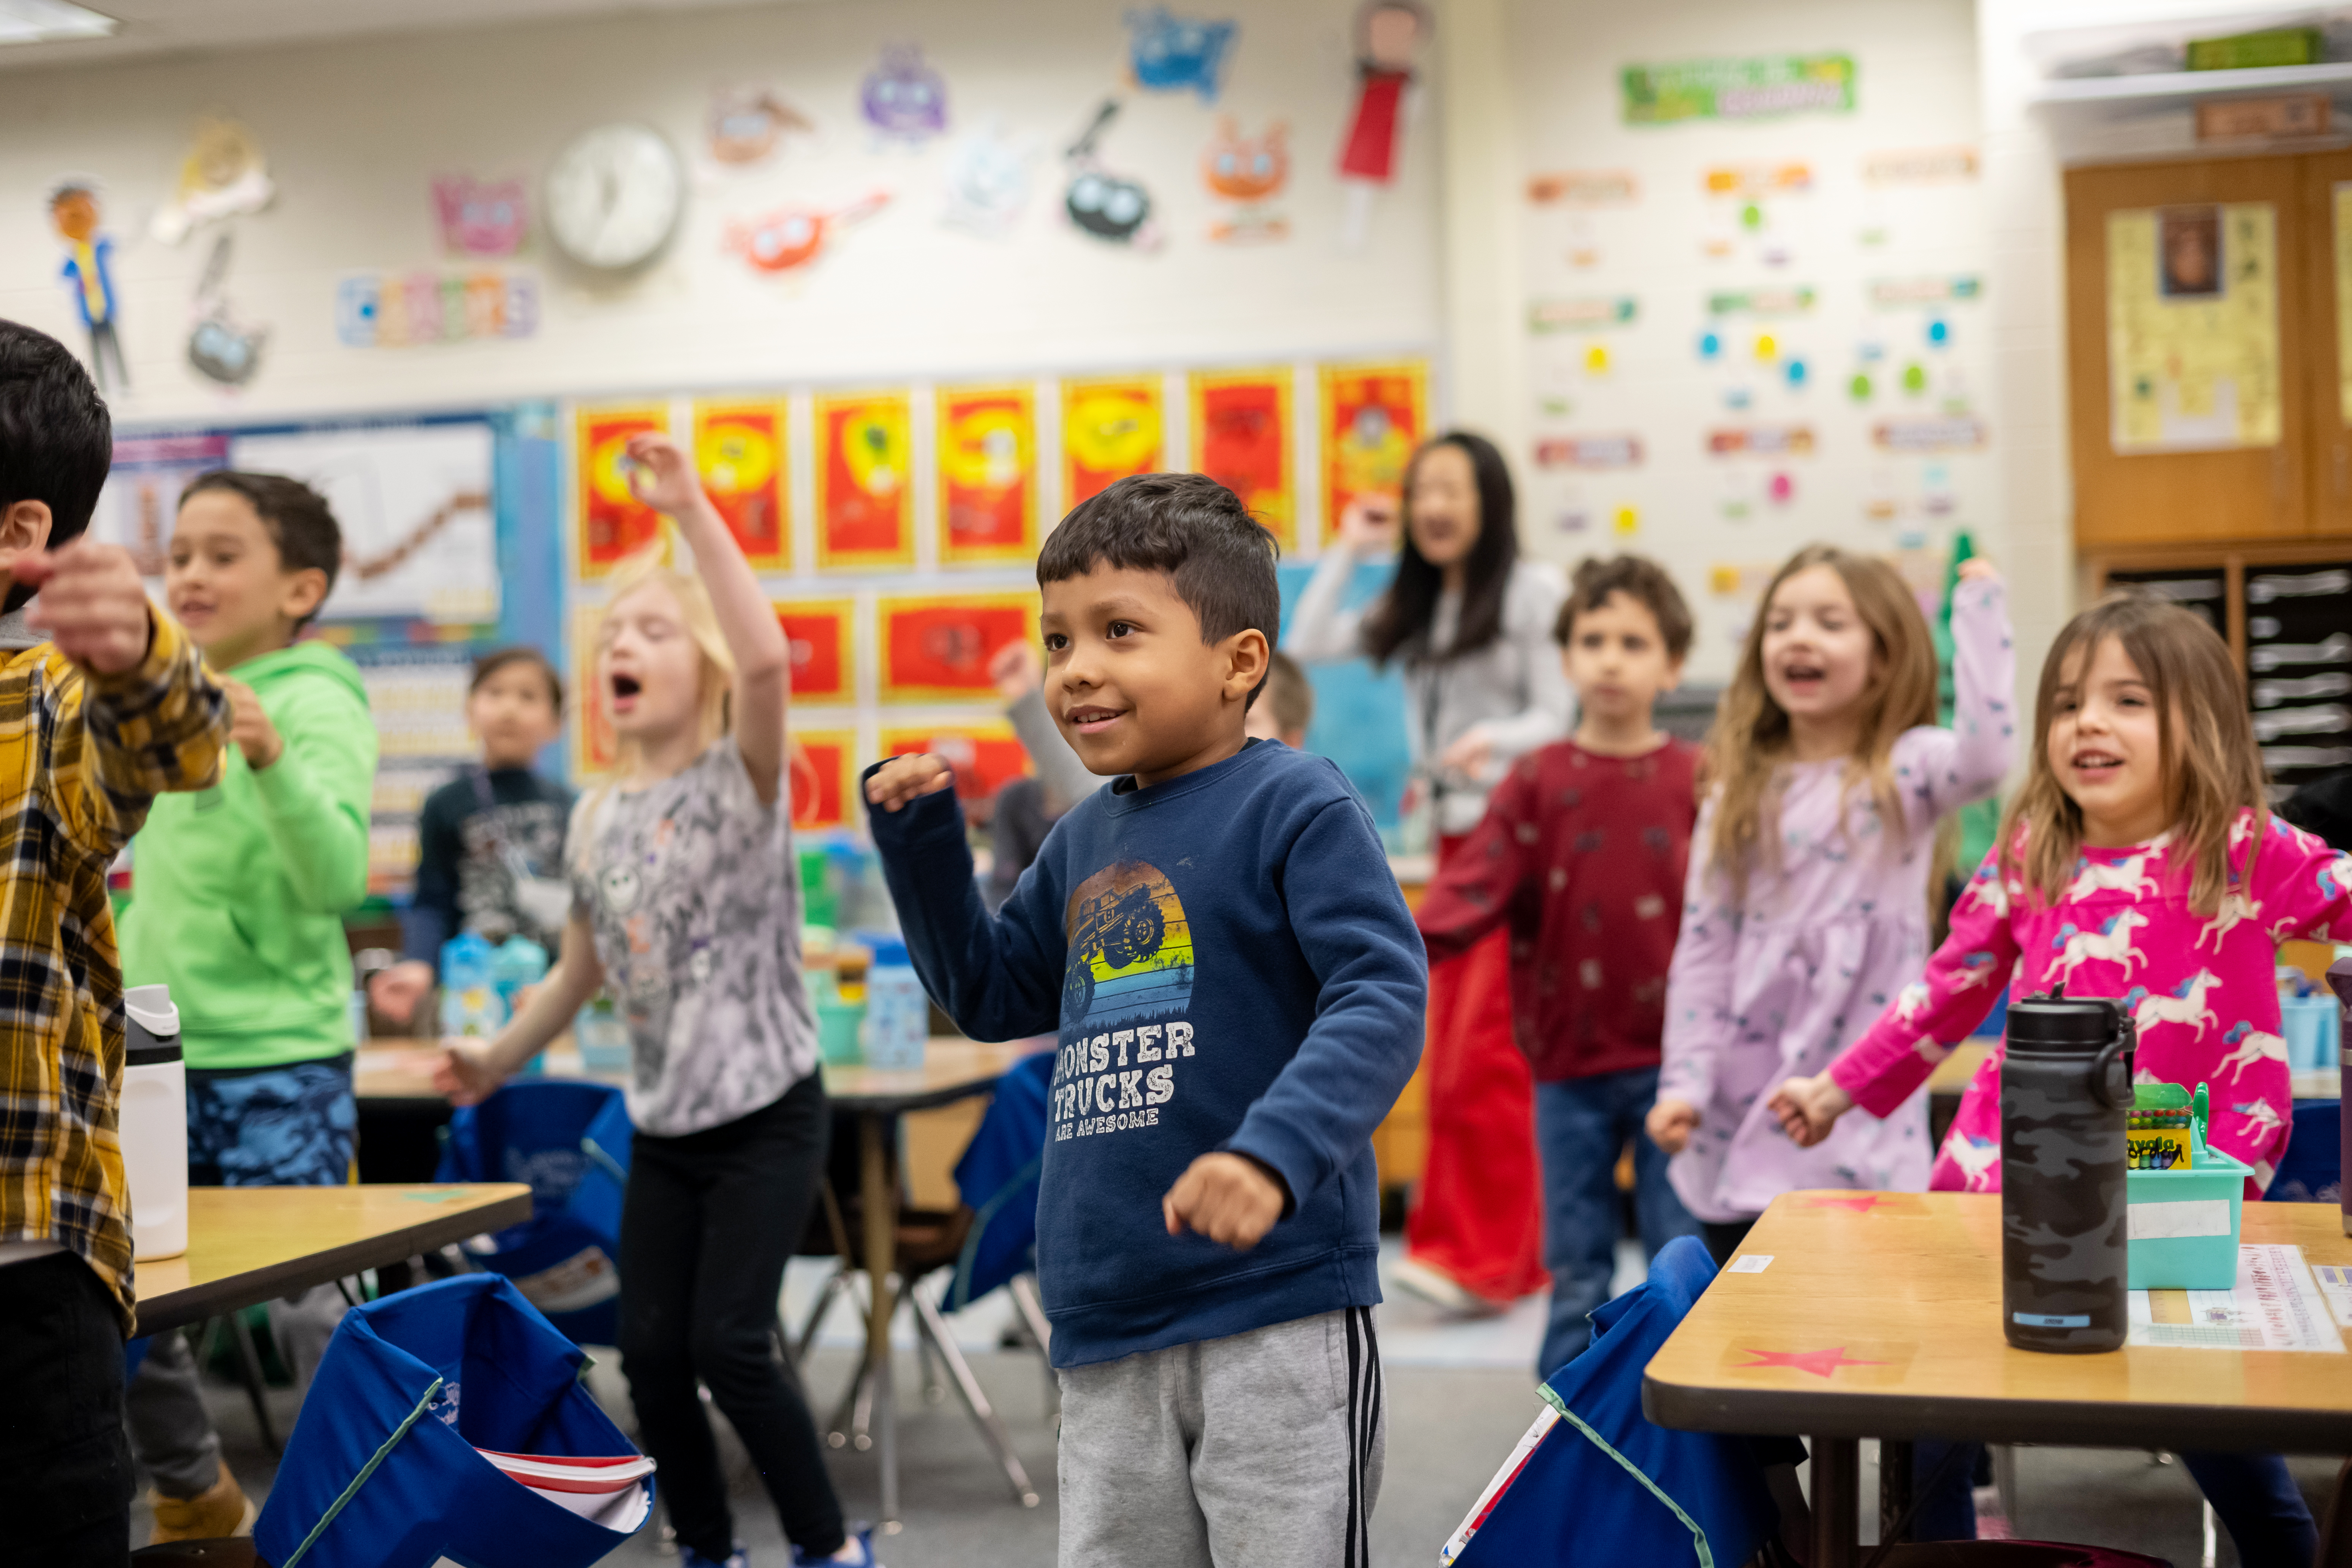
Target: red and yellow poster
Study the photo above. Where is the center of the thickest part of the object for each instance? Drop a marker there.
(988, 474)
(1241, 438)
(985, 756)
(1373, 416)
(613, 523)
(822, 764)
(739, 450)
(822, 634)
(936, 647)
(1110, 429)
(594, 749)
(864, 510)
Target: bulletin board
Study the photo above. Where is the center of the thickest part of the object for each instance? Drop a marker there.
(449, 546)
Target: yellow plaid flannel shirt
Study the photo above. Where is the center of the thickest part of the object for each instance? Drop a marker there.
(81, 757)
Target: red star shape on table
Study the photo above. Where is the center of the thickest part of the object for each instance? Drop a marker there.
(1861, 1202)
(1821, 1363)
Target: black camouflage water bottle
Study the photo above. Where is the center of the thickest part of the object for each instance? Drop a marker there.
(2065, 1090)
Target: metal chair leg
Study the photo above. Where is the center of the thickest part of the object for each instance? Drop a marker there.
(926, 1361)
(249, 1363)
(833, 1286)
(1033, 1313)
(932, 1328)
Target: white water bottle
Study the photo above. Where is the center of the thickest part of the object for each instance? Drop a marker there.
(153, 1123)
(898, 1013)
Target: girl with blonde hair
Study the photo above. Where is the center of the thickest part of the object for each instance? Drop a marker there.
(1806, 909)
(685, 908)
(2139, 861)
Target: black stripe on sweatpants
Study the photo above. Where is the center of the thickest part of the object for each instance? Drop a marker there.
(1375, 1388)
(1355, 1452)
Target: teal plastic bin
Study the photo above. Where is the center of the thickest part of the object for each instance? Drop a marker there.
(2184, 1223)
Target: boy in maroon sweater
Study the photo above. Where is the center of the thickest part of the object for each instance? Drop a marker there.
(1581, 852)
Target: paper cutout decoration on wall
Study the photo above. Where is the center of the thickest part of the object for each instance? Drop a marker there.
(904, 98)
(2192, 307)
(739, 450)
(1389, 37)
(823, 780)
(595, 748)
(613, 523)
(481, 217)
(1111, 207)
(795, 236)
(89, 272)
(374, 311)
(1241, 438)
(224, 175)
(1761, 87)
(1110, 429)
(1250, 171)
(936, 647)
(822, 634)
(984, 757)
(865, 507)
(220, 349)
(747, 124)
(988, 474)
(1168, 53)
(988, 180)
(1371, 418)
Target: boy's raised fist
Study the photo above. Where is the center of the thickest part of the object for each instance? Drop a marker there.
(92, 603)
(901, 779)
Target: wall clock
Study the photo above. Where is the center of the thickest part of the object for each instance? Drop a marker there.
(614, 197)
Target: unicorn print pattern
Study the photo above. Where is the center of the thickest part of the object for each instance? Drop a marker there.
(2123, 927)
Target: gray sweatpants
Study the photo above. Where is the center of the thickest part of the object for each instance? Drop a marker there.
(1260, 1450)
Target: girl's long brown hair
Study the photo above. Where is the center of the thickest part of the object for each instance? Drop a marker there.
(1749, 740)
(2211, 768)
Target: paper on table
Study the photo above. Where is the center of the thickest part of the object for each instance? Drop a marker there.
(2335, 1284)
(2274, 1306)
(1750, 1263)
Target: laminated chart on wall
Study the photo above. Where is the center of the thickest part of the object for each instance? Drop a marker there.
(865, 492)
(2193, 327)
(1242, 437)
(984, 754)
(1370, 419)
(988, 474)
(2299, 669)
(613, 525)
(824, 778)
(1111, 428)
(822, 634)
(936, 647)
(739, 451)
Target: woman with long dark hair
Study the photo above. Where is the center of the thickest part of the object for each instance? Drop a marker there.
(1470, 623)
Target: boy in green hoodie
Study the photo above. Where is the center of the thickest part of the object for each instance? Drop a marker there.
(236, 903)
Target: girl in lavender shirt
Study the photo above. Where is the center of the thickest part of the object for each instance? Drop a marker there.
(1807, 906)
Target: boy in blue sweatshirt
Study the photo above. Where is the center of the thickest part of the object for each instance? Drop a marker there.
(1238, 990)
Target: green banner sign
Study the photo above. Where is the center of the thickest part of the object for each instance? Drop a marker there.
(1738, 89)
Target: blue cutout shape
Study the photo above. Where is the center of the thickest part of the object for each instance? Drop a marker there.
(1170, 53)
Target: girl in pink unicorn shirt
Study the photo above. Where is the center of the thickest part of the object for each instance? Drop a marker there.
(2137, 862)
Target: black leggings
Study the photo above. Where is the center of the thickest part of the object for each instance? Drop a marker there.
(710, 1219)
(65, 1468)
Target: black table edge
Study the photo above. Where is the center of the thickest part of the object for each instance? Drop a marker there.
(2137, 1426)
(429, 1233)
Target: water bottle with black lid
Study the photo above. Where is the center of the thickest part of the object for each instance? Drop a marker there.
(2065, 1095)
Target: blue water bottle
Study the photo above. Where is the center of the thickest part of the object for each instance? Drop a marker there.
(898, 1013)
(470, 1003)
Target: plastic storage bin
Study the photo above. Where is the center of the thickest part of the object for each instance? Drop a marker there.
(2183, 1224)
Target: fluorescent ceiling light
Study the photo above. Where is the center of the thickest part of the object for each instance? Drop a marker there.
(44, 21)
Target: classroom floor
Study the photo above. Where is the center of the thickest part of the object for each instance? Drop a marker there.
(1459, 1394)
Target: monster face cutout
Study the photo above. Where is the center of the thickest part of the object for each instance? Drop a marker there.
(1170, 53)
(747, 124)
(481, 218)
(988, 180)
(791, 237)
(220, 349)
(1250, 171)
(1109, 206)
(903, 97)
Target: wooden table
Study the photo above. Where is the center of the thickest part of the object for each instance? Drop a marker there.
(1879, 1316)
(253, 1244)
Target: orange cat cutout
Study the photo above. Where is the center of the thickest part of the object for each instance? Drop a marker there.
(1250, 171)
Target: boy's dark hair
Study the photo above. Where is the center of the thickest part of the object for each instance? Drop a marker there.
(1289, 693)
(499, 659)
(297, 518)
(1218, 558)
(57, 439)
(1640, 579)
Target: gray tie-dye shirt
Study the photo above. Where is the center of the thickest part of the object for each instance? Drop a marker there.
(690, 887)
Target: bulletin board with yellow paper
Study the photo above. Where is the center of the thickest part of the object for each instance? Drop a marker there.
(2193, 329)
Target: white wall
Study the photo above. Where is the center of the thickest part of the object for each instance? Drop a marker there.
(355, 131)
(1707, 515)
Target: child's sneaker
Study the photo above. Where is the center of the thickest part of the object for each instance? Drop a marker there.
(687, 1557)
(861, 1539)
(1440, 1290)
